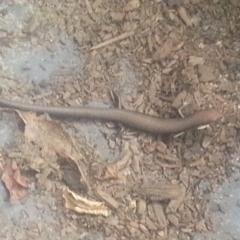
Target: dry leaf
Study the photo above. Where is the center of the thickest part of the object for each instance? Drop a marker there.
(71, 174)
(114, 170)
(16, 184)
(52, 137)
(82, 205)
(47, 134)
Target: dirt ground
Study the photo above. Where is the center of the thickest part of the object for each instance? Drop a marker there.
(64, 179)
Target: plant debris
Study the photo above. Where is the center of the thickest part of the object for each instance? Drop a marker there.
(16, 184)
(164, 58)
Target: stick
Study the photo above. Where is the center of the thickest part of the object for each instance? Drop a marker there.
(113, 40)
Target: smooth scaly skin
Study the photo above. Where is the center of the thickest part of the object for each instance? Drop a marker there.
(132, 119)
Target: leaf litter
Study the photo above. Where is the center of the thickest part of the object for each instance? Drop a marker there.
(177, 60)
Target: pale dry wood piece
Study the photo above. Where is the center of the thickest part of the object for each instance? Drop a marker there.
(201, 226)
(139, 101)
(151, 212)
(175, 203)
(135, 164)
(42, 96)
(158, 210)
(109, 200)
(89, 7)
(150, 43)
(184, 177)
(151, 225)
(167, 165)
(206, 73)
(161, 147)
(198, 163)
(184, 16)
(208, 140)
(169, 158)
(194, 60)
(158, 192)
(179, 100)
(132, 5)
(90, 10)
(141, 207)
(152, 91)
(143, 228)
(113, 40)
(164, 51)
(117, 16)
(173, 219)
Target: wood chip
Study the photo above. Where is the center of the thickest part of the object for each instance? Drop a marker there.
(109, 200)
(206, 73)
(162, 221)
(184, 16)
(132, 5)
(194, 60)
(158, 192)
(141, 207)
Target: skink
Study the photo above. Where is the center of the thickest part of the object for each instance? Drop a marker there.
(132, 119)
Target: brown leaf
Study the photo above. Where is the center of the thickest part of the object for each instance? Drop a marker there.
(114, 170)
(48, 134)
(52, 137)
(71, 173)
(16, 184)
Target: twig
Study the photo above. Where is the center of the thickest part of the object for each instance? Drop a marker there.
(113, 40)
